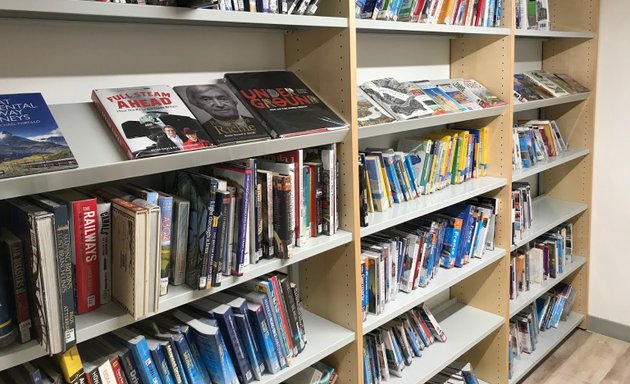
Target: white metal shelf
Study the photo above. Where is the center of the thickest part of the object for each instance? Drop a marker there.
(465, 327)
(382, 26)
(549, 213)
(133, 13)
(112, 316)
(536, 290)
(547, 341)
(444, 279)
(529, 105)
(533, 33)
(426, 204)
(101, 159)
(426, 122)
(564, 157)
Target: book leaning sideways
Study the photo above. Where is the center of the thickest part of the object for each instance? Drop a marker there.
(283, 103)
(30, 140)
(150, 121)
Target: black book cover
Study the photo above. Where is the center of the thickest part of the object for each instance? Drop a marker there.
(221, 113)
(283, 102)
(283, 235)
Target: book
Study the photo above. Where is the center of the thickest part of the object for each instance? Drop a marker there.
(221, 113)
(283, 103)
(71, 366)
(477, 92)
(179, 240)
(395, 99)
(369, 112)
(30, 140)
(139, 348)
(282, 228)
(8, 328)
(149, 121)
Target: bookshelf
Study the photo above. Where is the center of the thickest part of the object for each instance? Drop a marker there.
(330, 52)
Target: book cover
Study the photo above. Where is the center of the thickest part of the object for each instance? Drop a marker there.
(179, 240)
(283, 231)
(8, 329)
(395, 99)
(11, 248)
(30, 140)
(149, 121)
(221, 113)
(369, 112)
(139, 348)
(286, 105)
(165, 202)
(538, 78)
(265, 179)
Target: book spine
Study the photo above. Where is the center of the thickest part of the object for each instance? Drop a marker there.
(106, 372)
(166, 211)
(249, 344)
(283, 232)
(285, 340)
(210, 233)
(94, 377)
(260, 251)
(85, 226)
(7, 325)
(179, 241)
(242, 227)
(265, 341)
(131, 373)
(22, 309)
(281, 306)
(254, 215)
(189, 363)
(289, 300)
(230, 257)
(234, 345)
(145, 364)
(275, 333)
(298, 304)
(112, 125)
(175, 363)
(214, 280)
(104, 250)
(267, 214)
(64, 271)
(119, 375)
(223, 211)
(162, 365)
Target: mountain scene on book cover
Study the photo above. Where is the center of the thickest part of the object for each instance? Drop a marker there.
(30, 140)
(149, 121)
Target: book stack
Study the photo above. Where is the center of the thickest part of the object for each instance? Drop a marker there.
(390, 348)
(231, 337)
(522, 211)
(386, 100)
(546, 258)
(132, 241)
(476, 13)
(544, 313)
(538, 85)
(408, 256)
(535, 141)
(455, 373)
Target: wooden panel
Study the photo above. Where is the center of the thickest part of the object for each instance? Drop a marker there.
(331, 283)
(489, 357)
(574, 15)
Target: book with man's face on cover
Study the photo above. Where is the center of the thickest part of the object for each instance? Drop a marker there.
(149, 121)
(30, 140)
(283, 103)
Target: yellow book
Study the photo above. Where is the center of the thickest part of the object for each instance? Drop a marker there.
(446, 12)
(444, 157)
(463, 158)
(484, 151)
(385, 180)
(71, 365)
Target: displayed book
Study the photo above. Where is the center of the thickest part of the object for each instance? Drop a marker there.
(221, 113)
(370, 113)
(536, 85)
(283, 103)
(541, 79)
(149, 121)
(30, 140)
(395, 99)
(535, 141)
(527, 90)
(477, 92)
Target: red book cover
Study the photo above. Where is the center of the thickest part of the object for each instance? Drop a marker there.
(85, 226)
(118, 372)
(282, 308)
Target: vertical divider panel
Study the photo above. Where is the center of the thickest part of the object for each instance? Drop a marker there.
(490, 60)
(331, 282)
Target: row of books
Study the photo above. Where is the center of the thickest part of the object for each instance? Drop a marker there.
(456, 372)
(408, 256)
(532, 14)
(231, 337)
(154, 120)
(538, 85)
(71, 251)
(546, 258)
(295, 7)
(535, 141)
(385, 100)
(522, 210)
(393, 346)
(420, 166)
(544, 313)
(476, 13)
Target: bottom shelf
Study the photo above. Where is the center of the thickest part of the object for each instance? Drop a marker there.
(547, 341)
(465, 326)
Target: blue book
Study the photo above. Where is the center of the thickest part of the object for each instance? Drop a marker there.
(225, 319)
(266, 287)
(159, 357)
(239, 307)
(464, 212)
(261, 330)
(214, 353)
(29, 139)
(141, 355)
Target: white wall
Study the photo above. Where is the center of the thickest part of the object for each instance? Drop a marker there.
(610, 253)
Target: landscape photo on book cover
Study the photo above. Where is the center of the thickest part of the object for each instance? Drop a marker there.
(30, 140)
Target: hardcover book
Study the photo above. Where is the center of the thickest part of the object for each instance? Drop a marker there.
(149, 121)
(221, 114)
(30, 140)
(286, 106)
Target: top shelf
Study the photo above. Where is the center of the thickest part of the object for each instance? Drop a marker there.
(134, 13)
(533, 33)
(382, 26)
(101, 159)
